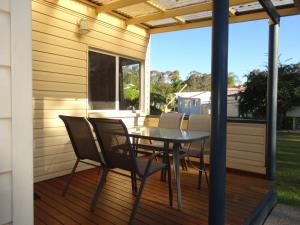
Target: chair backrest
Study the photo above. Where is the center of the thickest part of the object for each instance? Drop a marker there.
(200, 123)
(81, 138)
(114, 142)
(170, 120)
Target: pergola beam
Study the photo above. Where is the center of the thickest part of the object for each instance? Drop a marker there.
(271, 10)
(232, 11)
(161, 9)
(117, 5)
(181, 11)
(233, 19)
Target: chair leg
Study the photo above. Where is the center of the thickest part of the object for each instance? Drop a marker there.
(70, 177)
(183, 164)
(169, 181)
(206, 177)
(137, 201)
(199, 179)
(133, 182)
(99, 189)
(163, 170)
(201, 170)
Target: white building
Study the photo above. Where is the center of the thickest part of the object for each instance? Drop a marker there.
(200, 102)
(295, 114)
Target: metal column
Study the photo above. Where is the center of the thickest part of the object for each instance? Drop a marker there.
(272, 100)
(219, 112)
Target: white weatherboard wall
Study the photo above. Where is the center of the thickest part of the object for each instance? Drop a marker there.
(59, 59)
(16, 177)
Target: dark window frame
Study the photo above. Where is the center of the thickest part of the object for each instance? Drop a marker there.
(117, 82)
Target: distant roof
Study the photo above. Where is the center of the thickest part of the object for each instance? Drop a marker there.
(294, 112)
(235, 90)
(203, 95)
(169, 15)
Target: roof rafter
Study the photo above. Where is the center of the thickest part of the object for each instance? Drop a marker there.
(234, 19)
(271, 10)
(181, 11)
(161, 9)
(232, 11)
(117, 5)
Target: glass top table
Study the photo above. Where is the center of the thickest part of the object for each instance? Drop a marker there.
(165, 134)
(175, 136)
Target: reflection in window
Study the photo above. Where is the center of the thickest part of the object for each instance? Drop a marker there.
(102, 81)
(129, 84)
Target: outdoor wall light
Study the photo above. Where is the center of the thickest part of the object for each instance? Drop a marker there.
(83, 26)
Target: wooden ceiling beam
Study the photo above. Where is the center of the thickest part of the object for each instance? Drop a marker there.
(234, 19)
(117, 5)
(182, 11)
(161, 9)
(232, 11)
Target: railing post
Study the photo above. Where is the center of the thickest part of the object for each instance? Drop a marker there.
(219, 112)
(272, 100)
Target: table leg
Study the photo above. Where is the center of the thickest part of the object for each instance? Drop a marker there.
(177, 173)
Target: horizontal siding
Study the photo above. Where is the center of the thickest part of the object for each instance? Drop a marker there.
(246, 144)
(43, 95)
(59, 57)
(58, 68)
(55, 77)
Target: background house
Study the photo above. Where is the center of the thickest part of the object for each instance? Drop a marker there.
(295, 114)
(200, 102)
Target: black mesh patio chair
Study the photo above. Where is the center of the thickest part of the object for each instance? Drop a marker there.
(83, 143)
(118, 152)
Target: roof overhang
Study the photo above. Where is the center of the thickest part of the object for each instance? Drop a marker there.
(170, 15)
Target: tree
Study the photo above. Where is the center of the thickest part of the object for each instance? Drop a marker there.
(253, 101)
(232, 80)
(197, 81)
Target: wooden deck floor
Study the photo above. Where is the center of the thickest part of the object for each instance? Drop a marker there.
(243, 194)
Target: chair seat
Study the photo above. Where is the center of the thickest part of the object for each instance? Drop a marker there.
(155, 166)
(194, 152)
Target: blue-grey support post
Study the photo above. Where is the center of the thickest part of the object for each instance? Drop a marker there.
(219, 112)
(272, 100)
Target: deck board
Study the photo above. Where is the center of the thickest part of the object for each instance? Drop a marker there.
(243, 194)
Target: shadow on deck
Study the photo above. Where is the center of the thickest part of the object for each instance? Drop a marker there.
(244, 196)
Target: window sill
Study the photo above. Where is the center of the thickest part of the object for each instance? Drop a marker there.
(115, 113)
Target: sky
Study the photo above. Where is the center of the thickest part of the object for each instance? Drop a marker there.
(190, 50)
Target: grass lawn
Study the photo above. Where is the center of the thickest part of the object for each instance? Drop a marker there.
(288, 169)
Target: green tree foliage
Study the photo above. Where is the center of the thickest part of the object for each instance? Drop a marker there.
(165, 84)
(162, 88)
(131, 85)
(202, 81)
(253, 101)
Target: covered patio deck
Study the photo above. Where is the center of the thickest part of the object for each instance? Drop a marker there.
(245, 193)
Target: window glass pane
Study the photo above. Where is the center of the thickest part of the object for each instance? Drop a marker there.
(102, 81)
(129, 84)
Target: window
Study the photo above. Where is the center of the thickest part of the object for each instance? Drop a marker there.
(114, 82)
